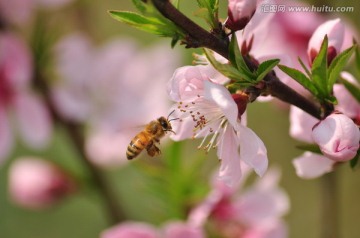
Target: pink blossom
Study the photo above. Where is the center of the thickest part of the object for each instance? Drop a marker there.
(256, 210)
(347, 104)
(36, 183)
(335, 30)
(113, 89)
(301, 124)
(174, 229)
(30, 113)
(310, 165)
(337, 136)
(207, 109)
(239, 13)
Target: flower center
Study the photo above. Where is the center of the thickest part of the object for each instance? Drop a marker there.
(208, 120)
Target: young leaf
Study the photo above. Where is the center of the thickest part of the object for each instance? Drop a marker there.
(236, 57)
(337, 66)
(304, 67)
(300, 78)
(355, 91)
(319, 69)
(226, 69)
(355, 160)
(265, 67)
(209, 11)
(151, 25)
(357, 57)
(140, 5)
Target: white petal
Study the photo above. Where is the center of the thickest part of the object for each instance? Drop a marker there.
(33, 120)
(230, 170)
(310, 165)
(222, 97)
(301, 124)
(6, 137)
(252, 150)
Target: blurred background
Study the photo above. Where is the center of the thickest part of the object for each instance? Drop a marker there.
(149, 189)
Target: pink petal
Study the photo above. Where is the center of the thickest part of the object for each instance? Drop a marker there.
(310, 165)
(252, 150)
(260, 206)
(33, 119)
(222, 97)
(17, 11)
(130, 230)
(15, 60)
(6, 136)
(182, 230)
(273, 229)
(301, 124)
(337, 136)
(230, 170)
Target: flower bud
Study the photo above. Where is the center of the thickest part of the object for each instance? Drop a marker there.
(36, 183)
(335, 32)
(337, 136)
(239, 13)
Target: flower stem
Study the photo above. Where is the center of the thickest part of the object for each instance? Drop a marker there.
(203, 38)
(329, 206)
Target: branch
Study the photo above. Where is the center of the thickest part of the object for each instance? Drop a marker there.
(205, 39)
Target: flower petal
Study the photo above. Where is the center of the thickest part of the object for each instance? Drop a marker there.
(252, 150)
(222, 97)
(130, 230)
(310, 165)
(182, 230)
(301, 124)
(230, 169)
(33, 119)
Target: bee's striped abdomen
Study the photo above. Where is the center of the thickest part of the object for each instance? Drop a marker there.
(137, 144)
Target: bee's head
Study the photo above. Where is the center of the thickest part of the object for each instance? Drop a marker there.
(165, 124)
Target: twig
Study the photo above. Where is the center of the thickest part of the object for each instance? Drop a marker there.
(205, 39)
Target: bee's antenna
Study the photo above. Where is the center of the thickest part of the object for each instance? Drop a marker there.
(173, 119)
(170, 114)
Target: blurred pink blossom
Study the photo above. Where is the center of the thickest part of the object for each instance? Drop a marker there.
(310, 165)
(22, 11)
(114, 89)
(17, 102)
(35, 183)
(239, 13)
(335, 31)
(142, 230)
(337, 136)
(254, 212)
(347, 104)
(207, 109)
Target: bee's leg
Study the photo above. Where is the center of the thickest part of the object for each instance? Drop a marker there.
(152, 149)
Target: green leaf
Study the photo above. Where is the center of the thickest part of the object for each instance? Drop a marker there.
(265, 67)
(337, 66)
(236, 58)
(151, 25)
(310, 147)
(357, 58)
(304, 67)
(319, 69)
(140, 5)
(209, 12)
(176, 3)
(226, 69)
(354, 90)
(300, 78)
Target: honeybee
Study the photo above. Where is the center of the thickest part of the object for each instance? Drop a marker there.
(147, 138)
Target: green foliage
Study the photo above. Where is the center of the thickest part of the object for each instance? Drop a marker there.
(320, 81)
(265, 67)
(354, 90)
(208, 10)
(357, 58)
(149, 20)
(355, 160)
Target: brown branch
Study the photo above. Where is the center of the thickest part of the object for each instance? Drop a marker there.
(205, 39)
(115, 212)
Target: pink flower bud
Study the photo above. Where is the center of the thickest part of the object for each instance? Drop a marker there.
(337, 136)
(36, 183)
(239, 13)
(335, 32)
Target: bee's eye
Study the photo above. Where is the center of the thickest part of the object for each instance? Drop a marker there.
(164, 124)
